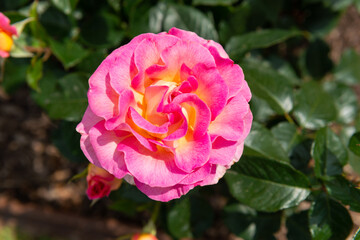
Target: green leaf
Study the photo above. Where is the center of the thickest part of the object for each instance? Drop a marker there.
(354, 143)
(261, 142)
(300, 156)
(329, 153)
(34, 73)
(284, 67)
(178, 219)
(214, 2)
(126, 206)
(267, 224)
(14, 74)
(287, 135)
(68, 52)
(344, 191)
(21, 25)
(202, 216)
(56, 23)
(63, 98)
(66, 139)
(298, 226)
(239, 45)
(321, 20)
(268, 9)
(189, 18)
(346, 101)
(329, 219)
(348, 70)
(260, 109)
(314, 107)
(267, 185)
(269, 85)
(101, 30)
(66, 6)
(317, 59)
(238, 218)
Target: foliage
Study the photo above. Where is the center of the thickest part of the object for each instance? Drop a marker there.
(306, 126)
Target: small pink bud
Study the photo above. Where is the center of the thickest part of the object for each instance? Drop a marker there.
(100, 182)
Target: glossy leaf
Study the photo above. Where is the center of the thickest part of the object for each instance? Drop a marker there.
(189, 18)
(178, 219)
(261, 142)
(348, 70)
(344, 191)
(314, 107)
(260, 109)
(69, 53)
(300, 156)
(267, 185)
(354, 143)
(329, 153)
(269, 85)
(329, 219)
(239, 45)
(287, 135)
(346, 101)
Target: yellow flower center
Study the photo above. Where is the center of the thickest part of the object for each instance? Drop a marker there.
(6, 42)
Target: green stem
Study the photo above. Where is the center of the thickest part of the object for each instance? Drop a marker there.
(288, 118)
(155, 213)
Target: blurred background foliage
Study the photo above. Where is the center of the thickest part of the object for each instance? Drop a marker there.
(301, 160)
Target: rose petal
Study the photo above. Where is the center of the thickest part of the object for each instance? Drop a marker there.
(156, 169)
(164, 194)
(212, 88)
(198, 175)
(230, 123)
(88, 121)
(104, 143)
(192, 153)
(223, 151)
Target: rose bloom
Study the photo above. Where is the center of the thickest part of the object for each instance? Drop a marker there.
(6, 33)
(168, 112)
(143, 236)
(100, 182)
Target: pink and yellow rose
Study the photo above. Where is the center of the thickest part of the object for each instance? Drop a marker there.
(100, 182)
(6, 33)
(168, 112)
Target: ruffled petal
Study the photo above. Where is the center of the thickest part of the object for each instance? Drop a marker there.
(190, 153)
(164, 194)
(156, 169)
(212, 88)
(230, 124)
(104, 143)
